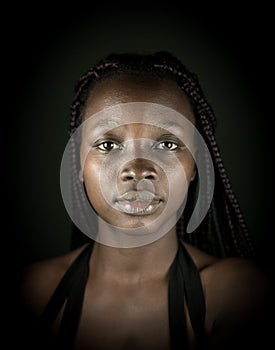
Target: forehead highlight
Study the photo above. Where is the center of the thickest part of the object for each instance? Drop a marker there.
(125, 88)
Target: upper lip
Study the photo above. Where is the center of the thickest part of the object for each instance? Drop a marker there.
(135, 195)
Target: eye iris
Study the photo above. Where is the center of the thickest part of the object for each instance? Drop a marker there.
(168, 144)
(108, 145)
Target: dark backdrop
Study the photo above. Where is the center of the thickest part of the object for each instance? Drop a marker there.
(47, 49)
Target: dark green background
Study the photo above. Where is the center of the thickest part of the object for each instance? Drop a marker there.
(50, 49)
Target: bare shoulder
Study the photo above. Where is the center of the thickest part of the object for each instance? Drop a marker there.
(224, 274)
(237, 295)
(232, 281)
(201, 259)
(39, 280)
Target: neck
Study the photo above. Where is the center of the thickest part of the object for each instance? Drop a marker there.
(134, 264)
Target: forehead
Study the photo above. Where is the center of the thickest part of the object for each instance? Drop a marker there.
(131, 88)
(137, 120)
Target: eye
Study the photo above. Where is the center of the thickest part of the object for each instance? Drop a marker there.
(167, 145)
(107, 146)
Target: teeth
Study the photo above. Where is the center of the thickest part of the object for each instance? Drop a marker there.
(135, 209)
(138, 202)
(138, 195)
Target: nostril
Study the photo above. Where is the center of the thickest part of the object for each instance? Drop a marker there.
(138, 174)
(149, 177)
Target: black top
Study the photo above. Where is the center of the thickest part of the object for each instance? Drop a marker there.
(184, 281)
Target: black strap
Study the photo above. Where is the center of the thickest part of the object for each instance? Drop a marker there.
(184, 281)
(71, 289)
(177, 322)
(194, 293)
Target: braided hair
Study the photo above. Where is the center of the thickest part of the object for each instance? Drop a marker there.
(223, 232)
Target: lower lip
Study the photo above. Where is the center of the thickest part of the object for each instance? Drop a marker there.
(138, 207)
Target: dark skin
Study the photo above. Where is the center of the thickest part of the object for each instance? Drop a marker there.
(125, 304)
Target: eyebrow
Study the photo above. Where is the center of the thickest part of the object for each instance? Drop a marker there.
(110, 123)
(103, 124)
(168, 124)
(113, 123)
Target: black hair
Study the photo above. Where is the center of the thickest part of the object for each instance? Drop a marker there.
(223, 232)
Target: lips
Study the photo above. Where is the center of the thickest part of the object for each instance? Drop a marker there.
(138, 202)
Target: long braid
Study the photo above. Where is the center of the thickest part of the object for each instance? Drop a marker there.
(208, 122)
(223, 231)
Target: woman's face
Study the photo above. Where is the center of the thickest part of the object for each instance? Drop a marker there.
(132, 190)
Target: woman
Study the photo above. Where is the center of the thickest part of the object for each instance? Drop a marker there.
(142, 146)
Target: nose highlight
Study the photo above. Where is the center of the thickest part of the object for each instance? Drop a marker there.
(137, 170)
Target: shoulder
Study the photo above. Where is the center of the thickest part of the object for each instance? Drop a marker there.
(201, 259)
(237, 302)
(39, 280)
(230, 277)
(238, 285)
(237, 295)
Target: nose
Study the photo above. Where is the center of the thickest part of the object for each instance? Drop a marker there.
(138, 169)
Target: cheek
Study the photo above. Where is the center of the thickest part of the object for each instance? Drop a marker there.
(180, 179)
(188, 165)
(91, 174)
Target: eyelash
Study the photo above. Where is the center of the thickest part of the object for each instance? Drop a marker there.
(167, 148)
(160, 145)
(101, 144)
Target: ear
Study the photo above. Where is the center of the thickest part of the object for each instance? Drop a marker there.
(193, 175)
(80, 176)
